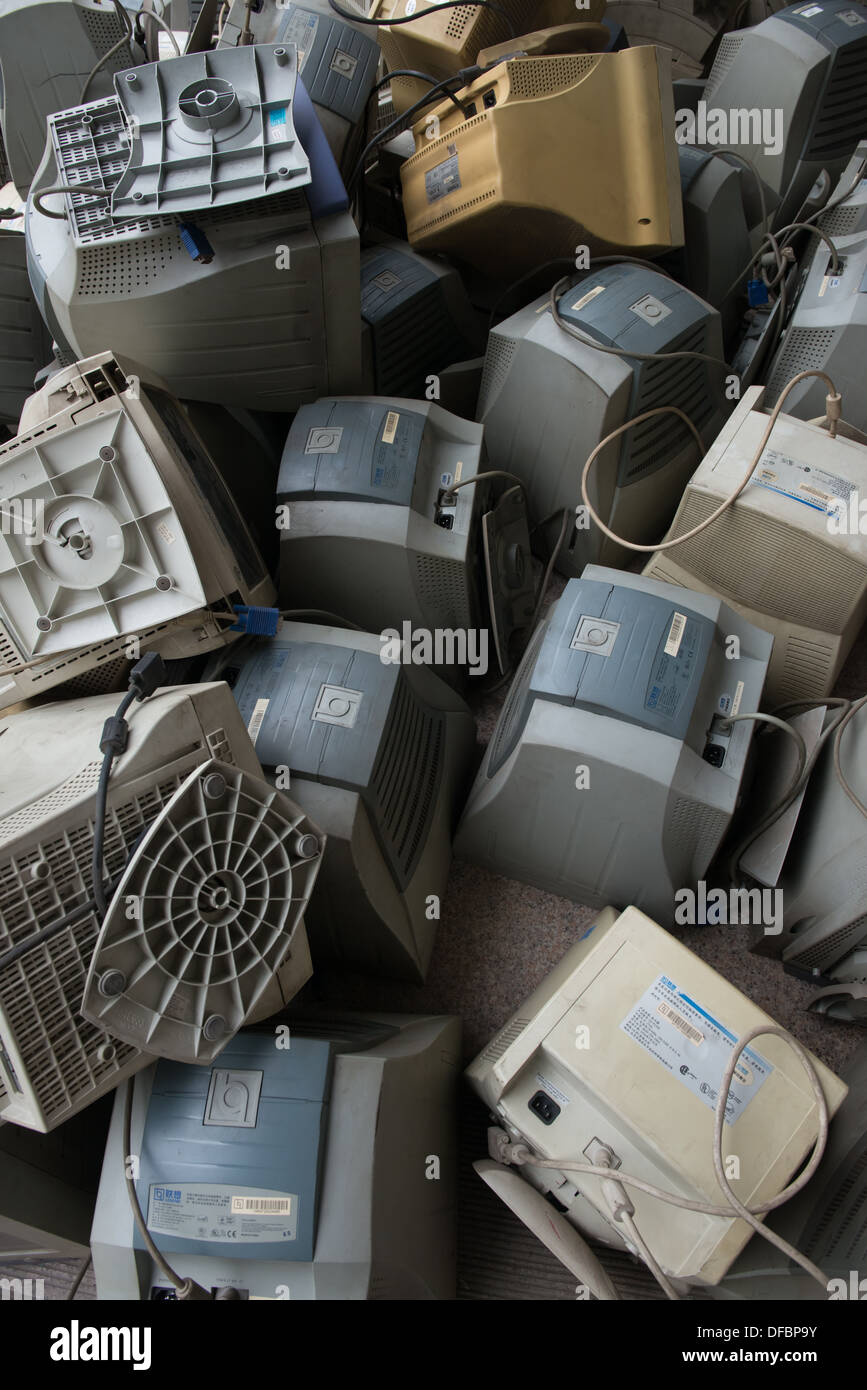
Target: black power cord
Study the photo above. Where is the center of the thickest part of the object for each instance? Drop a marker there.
(144, 678)
(462, 78)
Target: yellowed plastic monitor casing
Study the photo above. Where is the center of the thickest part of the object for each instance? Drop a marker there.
(444, 41)
(771, 556)
(613, 1091)
(577, 149)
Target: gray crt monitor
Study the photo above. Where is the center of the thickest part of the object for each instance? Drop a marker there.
(378, 534)
(25, 344)
(803, 70)
(717, 214)
(612, 774)
(338, 62)
(827, 330)
(824, 878)
(47, 50)
(222, 251)
(417, 319)
(547, 400)
(379, 754)
(292, 1171)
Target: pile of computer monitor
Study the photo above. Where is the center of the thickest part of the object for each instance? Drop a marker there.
(284, 485)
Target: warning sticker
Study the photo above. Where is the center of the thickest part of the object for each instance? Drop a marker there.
(260, 709)
(586, 298)
(672, 670)
(553, 1091)
(694, 1047)
(212, 1212)
(813, 486)
(301, 30)
(675, 634)
(443, 179)
(277, 124)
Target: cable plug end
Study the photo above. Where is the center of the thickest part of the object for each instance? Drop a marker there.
(147, 675)
(193, 1292)
(833, 411)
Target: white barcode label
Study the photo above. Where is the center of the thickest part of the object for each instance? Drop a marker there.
(267, 1206)
(586, 298)
(681, 1024)
(390, 430)
(675, 634)
(167, 535)
(739, 695)
(459, 468)
(259, 711)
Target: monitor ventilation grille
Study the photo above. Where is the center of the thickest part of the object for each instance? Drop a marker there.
(770, 565)
(424, 318)
(459, 20)
(427, 223)
(406, 779)
(498, 362)
(504, 1039)
(695, 830)
(8, 653)
(807, 669)
(443, 141)
(839, 125)
(124, 268)
(803, 349)
(539, 77)
(19, 821)
(99, 680)
(836, 1234)
(442, 588)
(684, 382)
(104, 31)
(41, 993)
(839, 222)
(515, 706)
(725, 56)
(831, 948)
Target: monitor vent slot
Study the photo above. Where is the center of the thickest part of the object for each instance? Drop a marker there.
(125, 268)
(516, 706)
(104, 31)
(803, 349)
(443, 592)
(504, 1039)
(839, 125)
(840, 222)
(41, 992)
(99, 680)
(401, 369)
(836, 1234)
(406, 780)
(683, 382)
(725, 56)
(459, 21)
(540, 77)
(831, 948)
(498, 361)
(807, 669)
(695, 831)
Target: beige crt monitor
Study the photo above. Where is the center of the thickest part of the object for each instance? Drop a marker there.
(557, 152)
(441, 42)
(778, 555)
(624, 1046)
